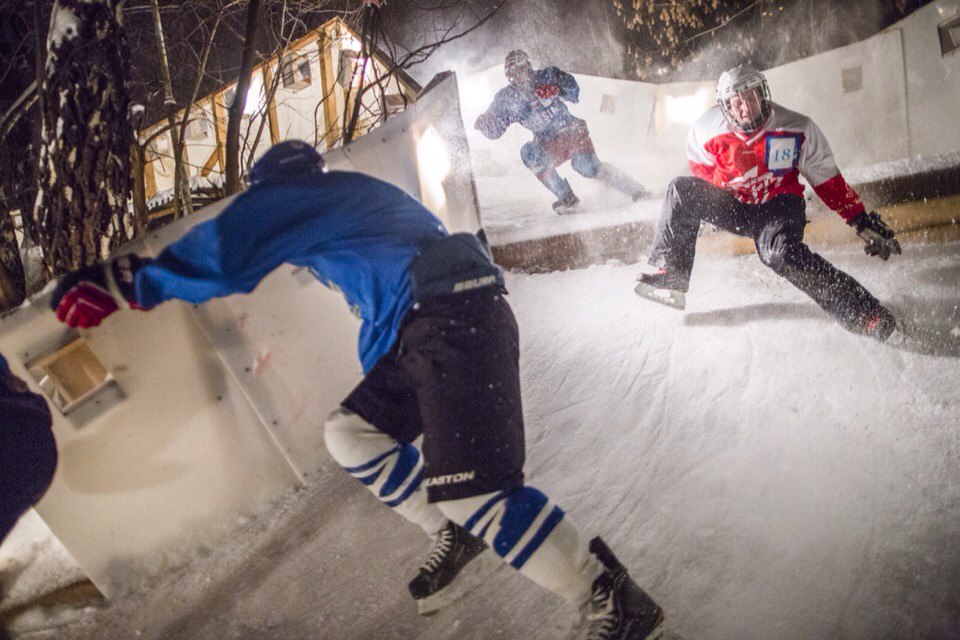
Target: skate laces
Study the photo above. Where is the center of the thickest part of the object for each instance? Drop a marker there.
(441, 549)
(602, 617)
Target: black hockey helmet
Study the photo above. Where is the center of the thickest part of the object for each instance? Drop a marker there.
(283, 160)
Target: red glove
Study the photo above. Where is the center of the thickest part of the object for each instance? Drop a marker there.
(83, 298)
(547, 91)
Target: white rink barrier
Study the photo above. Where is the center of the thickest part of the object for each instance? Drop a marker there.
(216, 411)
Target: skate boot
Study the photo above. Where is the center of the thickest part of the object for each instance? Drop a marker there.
(569, 203)
(618, 608)
(879, 325)
(664, 287)
(457, 564)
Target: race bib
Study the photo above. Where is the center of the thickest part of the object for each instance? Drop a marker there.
(783, 152)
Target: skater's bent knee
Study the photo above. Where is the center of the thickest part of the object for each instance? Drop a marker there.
(682, 182)
(461, 510)
(587, 165)
(533, 155)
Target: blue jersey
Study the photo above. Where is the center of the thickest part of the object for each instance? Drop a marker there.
(545, 118)
(355, 233)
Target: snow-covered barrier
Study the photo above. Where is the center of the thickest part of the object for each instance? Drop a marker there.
(209, 414)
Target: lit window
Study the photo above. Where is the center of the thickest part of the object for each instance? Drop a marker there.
(295, 72)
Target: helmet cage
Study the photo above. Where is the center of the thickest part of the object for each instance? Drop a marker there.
(727, 93)
(517, 66)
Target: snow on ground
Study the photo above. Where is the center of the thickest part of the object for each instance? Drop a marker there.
(764, 473)
(517, 208)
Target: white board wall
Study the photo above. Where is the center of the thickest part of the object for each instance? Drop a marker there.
(224, 402)
(908, 106)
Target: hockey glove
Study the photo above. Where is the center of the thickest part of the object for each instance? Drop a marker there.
(880, 238)
(547, 92)
(83, 298)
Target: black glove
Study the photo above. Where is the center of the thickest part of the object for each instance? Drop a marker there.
(880, 238)
(83, 298)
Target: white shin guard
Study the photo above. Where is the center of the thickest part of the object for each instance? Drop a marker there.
(532, 535)
(391, 470)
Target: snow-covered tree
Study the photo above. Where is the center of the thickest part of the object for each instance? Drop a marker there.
(84, 174)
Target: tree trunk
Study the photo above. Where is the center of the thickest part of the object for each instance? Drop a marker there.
(235, 109)
(86, 139)
(12, 285)
(139, 192)
(181, 184)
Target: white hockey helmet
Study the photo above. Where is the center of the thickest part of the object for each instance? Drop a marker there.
(750, 86)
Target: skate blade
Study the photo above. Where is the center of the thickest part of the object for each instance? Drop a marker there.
(667, 297)
(469, 578)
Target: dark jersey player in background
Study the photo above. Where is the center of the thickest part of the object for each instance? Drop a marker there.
(439, 347)
(747, 155)
(535, 99)
(28, 453)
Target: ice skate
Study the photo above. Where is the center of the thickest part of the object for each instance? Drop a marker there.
(457, 564)
(569, 203)
(881, 325)
(639, 194)
(663, 287)
(618, 608)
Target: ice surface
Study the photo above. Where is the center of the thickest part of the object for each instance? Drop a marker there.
(764, 473)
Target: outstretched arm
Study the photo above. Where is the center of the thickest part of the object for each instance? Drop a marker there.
(225, 255)
(493, 122)
(216, 258)
(819, 168)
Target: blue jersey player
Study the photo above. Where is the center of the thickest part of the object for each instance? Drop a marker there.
(535, 99)
(439, 347)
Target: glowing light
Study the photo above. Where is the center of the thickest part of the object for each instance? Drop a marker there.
(475, 94)
(256, 97)
(351, 43)
(686, 109)
(434, 164)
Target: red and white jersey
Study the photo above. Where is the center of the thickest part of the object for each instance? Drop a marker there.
(769, 162)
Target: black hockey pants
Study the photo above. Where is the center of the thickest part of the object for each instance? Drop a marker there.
(777, 230)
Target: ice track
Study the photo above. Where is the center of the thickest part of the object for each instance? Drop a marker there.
(762, 472)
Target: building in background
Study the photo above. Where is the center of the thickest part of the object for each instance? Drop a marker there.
(308, 93)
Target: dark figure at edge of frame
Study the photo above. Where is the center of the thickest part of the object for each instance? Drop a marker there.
(28, 453)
